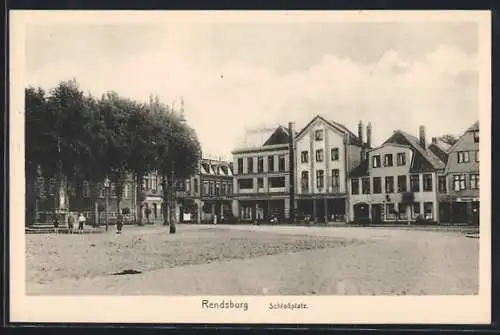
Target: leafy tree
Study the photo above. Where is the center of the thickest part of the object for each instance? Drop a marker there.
(178, 154)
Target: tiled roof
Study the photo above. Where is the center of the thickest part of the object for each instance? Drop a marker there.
(424, 158)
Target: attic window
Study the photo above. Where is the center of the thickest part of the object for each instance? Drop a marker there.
(476, 136)
(318, 135)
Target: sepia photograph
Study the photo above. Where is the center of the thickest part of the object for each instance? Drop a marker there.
(223, 163)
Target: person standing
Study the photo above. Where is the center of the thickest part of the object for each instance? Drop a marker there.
(119, 224)
(55, 219)
(71, 223)
(81, 222)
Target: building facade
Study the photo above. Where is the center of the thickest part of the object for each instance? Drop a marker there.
(262, 178)
(324, 153)
(397, 181)
(459, 191)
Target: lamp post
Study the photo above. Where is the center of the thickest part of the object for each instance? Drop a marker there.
(106, 195)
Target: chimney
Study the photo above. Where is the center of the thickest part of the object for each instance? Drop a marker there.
(360, 131)
(421, 136)
(291, 164)
(434, 140)
(369, 135)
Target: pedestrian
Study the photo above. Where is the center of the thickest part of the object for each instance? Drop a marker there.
(55, 219)
(81, 222)
(215, 219)
(71, 223)
(119, 224)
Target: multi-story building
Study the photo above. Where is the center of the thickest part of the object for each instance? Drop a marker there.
(458, 192)
(325, 151)
(206, 194)
(396, 181)
(262, 177)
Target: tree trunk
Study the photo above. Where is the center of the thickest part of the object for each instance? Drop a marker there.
(166, 202)
(172, 203)
(96, 213)
(139, 201)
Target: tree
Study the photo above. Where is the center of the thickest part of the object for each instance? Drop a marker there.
(178, 154)
(449, 139)
(35, 119)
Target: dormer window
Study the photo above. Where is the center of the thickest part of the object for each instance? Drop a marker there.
(476, 136)
(318, 135)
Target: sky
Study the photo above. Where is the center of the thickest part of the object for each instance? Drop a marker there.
(239, 75)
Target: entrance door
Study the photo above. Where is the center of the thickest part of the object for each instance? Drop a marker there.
(361, 212)
(377, 213)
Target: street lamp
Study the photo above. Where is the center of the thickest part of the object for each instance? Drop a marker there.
(106, 195)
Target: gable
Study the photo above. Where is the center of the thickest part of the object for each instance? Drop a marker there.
(280, 136)
(332, 125)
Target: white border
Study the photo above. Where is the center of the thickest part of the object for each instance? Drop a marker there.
(396, 309)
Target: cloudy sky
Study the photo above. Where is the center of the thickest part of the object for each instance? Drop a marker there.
(235, 76)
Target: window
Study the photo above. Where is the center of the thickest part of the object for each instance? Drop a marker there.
(459, 182)
(229, 189)
(217, 189)
(205, 188)
(304, 156)
(442, 184)
(416, 210)
(376, 161)
(427, 182)
(354, 186)
(415, 183)
(211, 188)
(223, 189)
(476, 136)
(335, 154)
(390, 211)
(270, 163)
(245, 184)
(240, 165)
(195, 185)
(365, 185)
(401, 158)
(377, 185)
(320, 179)
(477, 156)
(260, 164)
(428, 209)
(389, 184)
(318, 135)
(388, 160)
(86, 189)
(402, 211)
(260, 182)
(474, 181)
(276, 182)
(402, 187)
(462, 157)
(281, 163)
(319, 155)
(249, 165)
(304, 180)
(335, 179)
(188, 186)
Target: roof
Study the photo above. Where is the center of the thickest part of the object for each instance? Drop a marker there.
(216, 167)
(353, 139)
(440, 149)
(424, 159)
(264, 137)
(473, 127)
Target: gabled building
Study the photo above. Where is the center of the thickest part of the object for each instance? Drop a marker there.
(396, 182)
(262, 176)
(324, 153)
(459, 191)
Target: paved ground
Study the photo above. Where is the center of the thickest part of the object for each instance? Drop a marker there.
(234, 260)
